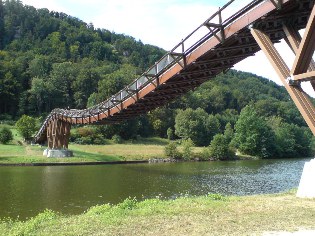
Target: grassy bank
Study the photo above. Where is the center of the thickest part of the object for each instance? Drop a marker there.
(207, 215)
(19, 152)
(14, 153)
(142, 149)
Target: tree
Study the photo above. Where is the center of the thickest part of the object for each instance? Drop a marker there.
(219, 148)
(5, 135)
(253, 136)
(187, 149)
(26, 126)
(170, 133)
(292, 141)
(192, 124)
(229, 132)
(171, 151)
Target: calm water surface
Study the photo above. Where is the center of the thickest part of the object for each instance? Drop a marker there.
(26, 191)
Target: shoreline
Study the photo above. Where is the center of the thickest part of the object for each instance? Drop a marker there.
(213, 214)
(75, 163)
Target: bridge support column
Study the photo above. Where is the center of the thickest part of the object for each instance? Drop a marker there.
(58, 133)
(302, 70)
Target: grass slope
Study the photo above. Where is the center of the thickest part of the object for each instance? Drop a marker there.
(208, 215)
(142, 149)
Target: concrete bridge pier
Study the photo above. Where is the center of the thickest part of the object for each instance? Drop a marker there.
(58, 133)
(307, 187)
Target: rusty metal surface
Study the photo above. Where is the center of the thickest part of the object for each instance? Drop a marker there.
(187, 66)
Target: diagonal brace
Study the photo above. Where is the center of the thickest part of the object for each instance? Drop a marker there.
(306, 48)
(298, 96)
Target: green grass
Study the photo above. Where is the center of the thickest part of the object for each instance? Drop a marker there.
(141, 149)
(207, 215)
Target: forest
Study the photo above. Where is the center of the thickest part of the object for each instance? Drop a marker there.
(50, 59)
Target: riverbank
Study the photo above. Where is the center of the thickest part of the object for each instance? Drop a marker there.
(207, 215)
(144, 149)
(27, 154)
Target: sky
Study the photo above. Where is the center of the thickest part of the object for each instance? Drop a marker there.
(162, 23)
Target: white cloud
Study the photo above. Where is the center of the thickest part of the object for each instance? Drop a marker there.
(49, 4)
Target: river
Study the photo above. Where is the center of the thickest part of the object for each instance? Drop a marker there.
(26, 191)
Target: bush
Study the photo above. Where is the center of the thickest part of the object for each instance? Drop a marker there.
(187, 149)
(117, 139)
(26, 126)
(85, 131)
(205, 154)
(99, 139)
(219, 148)
(87, 135)
(171, 150)
(5, 135)
(170, 134)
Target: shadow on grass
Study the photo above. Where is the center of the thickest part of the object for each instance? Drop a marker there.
(149, 141)
(94, 156)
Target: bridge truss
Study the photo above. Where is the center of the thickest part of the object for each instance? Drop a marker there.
(257, 26)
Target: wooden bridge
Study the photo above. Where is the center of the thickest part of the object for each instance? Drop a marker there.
(257, 26)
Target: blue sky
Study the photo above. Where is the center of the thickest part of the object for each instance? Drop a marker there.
(160, 22)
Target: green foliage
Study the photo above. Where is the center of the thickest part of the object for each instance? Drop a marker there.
(26, 126)
(117, 139)
(87, 135)
(216, 197)
(30, 227)
(292, 141)
(187, 149)
(171, 150)
(128, 204)
(98, 209)
(228, 132)
(5, 135)
(253, 136)
(170, 133)
(220, 149)
(196, 125)
(161, 119)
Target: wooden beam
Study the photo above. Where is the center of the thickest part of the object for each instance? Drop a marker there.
(306, 47)
(293, 39)
(298, 96)
(308, 76)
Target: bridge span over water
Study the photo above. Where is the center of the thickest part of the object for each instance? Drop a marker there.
(257, 26)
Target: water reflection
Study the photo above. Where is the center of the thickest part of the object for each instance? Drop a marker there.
(25, 191)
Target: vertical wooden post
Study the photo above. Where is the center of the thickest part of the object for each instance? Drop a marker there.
(66, 135)
(58, 133)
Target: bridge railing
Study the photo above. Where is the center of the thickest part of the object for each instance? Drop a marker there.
(175, 56)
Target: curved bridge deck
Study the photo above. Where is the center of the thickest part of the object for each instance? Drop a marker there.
(188, 65)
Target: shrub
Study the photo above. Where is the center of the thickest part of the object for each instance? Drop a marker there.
(117, 139)
(86, 140)
(187, 149)
(5, 135)
(85, 131)
(170, 134)
(99, 139)
(205, 154)
(26, 126)
(171, 150)
(219, 148)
